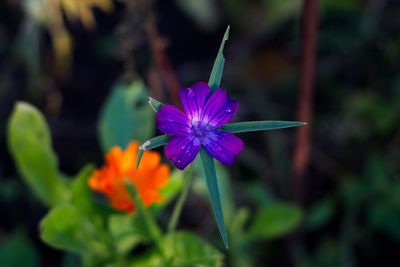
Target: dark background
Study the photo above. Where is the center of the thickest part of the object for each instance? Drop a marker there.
(354, 166)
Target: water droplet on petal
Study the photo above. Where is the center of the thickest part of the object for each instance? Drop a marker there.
(229, 110)
(190, 92)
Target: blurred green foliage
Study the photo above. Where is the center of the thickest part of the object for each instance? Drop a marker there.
(30, 143)
(17, 251)
(351, 217)
(281, 218)
(79, 223)
(126, 116)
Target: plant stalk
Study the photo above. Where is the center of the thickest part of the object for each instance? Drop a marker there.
(181, 201)
(309, 26)
(148, 221)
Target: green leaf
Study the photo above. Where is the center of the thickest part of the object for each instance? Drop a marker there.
(17, 251)
(155, 142)
(148, 259)
(126, 232)
(125, 116)
(252, 126)
(183, 249)
(81, 193)
(155, 104)
(275, 220)
(29, 142)
(151, 144)
(239, 251)
(212, 185)
(224, 186)
(180, 249)
(66, 228)
(218, 68)
(83, 198)
(260, 195)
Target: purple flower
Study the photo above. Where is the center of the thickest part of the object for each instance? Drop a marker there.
(205, 112)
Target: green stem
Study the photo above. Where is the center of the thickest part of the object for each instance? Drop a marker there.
(181, 201)
(152, 229)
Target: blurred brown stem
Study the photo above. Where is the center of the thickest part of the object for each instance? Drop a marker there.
(161, 60)
(309, 26)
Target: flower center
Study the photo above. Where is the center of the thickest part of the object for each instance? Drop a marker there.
(199, 129)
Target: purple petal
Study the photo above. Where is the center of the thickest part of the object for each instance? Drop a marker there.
(182, 150)
(223, 146)
(219, 109)
(171, 120)
(194, 98)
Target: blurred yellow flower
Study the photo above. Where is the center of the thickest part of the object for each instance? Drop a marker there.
(82, 10)
(148, 179)
(49, 13)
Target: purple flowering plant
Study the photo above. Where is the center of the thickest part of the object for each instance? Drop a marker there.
(199, 126)
(202, 128)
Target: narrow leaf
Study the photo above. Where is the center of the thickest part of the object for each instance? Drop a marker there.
(211, 178)
(139, 157)
(218, 68)
(155, 104)
(151, 144)
(253, 126)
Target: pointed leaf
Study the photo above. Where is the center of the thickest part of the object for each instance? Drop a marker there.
(125, 116)
(224, 186)
(155, 104)
(30, 144)
(211, 178)
(151, 144)
(218, 68)
(252, 126)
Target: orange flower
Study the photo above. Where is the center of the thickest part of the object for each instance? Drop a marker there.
(120, 165)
